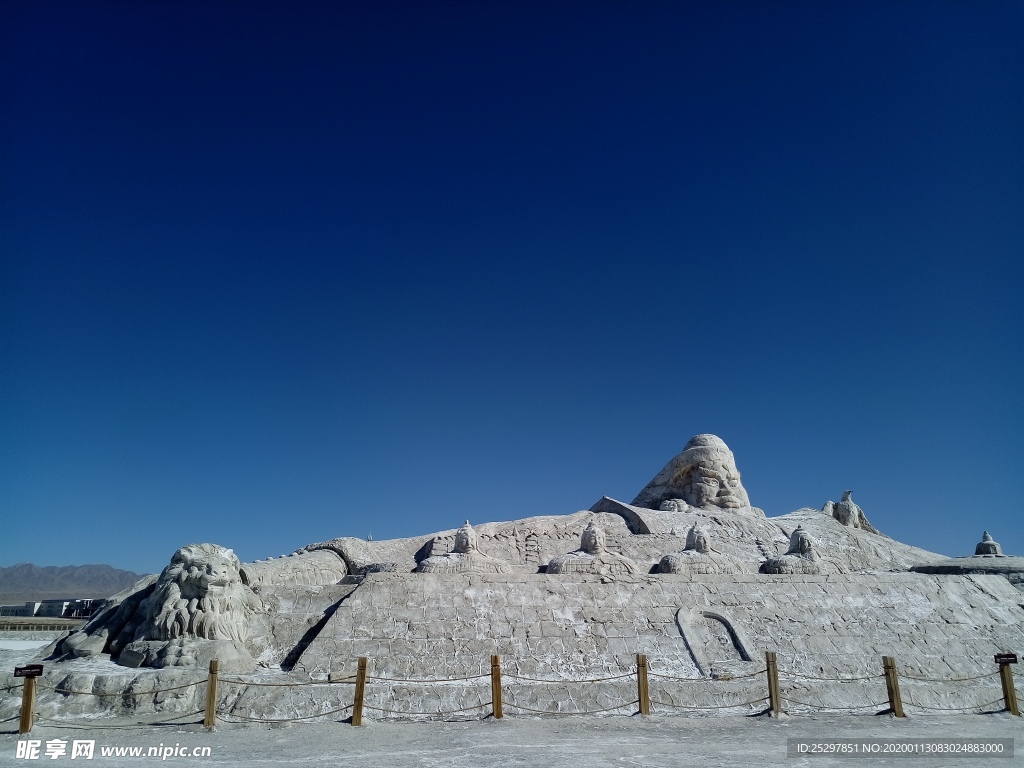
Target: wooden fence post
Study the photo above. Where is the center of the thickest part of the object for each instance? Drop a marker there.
(1009, 694)
(642, 691)
(892, 686)
(28, 705)
(357, 702)
(210, 718)
(772, 669)
(496, 687)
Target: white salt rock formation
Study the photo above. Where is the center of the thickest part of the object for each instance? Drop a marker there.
(704, 476)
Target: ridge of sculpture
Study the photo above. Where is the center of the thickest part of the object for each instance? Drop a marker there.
(703, 475)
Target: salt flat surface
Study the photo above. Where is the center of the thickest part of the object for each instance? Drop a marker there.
(512, 742)
(21, 645)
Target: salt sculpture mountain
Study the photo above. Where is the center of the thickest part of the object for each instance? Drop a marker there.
(704, 475)
(689, 574)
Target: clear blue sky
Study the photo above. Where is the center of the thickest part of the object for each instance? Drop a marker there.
(278, 272)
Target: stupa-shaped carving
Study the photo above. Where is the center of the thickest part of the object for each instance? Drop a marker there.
(465, 557)
(593, 557)
(799, 558)
(696, 557)
(988, 546)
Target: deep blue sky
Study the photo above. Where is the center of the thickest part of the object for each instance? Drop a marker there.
(278, 272)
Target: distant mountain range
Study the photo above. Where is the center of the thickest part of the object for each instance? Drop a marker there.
(26, 581)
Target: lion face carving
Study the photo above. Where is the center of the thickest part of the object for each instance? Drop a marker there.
(197, 610)
(199, 595)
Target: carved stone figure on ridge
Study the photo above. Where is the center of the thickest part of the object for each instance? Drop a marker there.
(988, 546)
(799, 558)
(697, 557)
(465, 557)
(593, 557)
(848, 513)
(198, 609)
(704, 476)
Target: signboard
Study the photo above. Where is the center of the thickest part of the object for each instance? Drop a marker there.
(1006, 658)
(36, 670)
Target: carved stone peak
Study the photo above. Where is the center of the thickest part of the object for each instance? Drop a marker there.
(704, 475)
(847, 513)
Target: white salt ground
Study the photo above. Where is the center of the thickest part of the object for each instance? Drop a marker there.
(512, 742)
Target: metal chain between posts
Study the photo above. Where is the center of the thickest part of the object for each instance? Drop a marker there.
(948, 679)
(346, 681)
(81, 726)
(439, 680)
(824, 706)
(123, 693)
(680, 679)
(585, 712)
(955, 709)
(541, 680)
(831, 679)
(723, 706)
(240, 718)
(438, 712)
(722, 679)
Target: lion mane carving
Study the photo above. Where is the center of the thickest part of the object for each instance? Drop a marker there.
(198, 595)
(198, 609)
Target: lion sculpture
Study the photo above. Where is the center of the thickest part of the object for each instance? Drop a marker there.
(199, 595)
(198, 609)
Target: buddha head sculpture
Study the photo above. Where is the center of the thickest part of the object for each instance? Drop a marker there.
(465, 539)
(592, 540)
(697, 558)
(593, 557)
(704, 475)
(800, 558)
(800, 544)
(696, 540)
